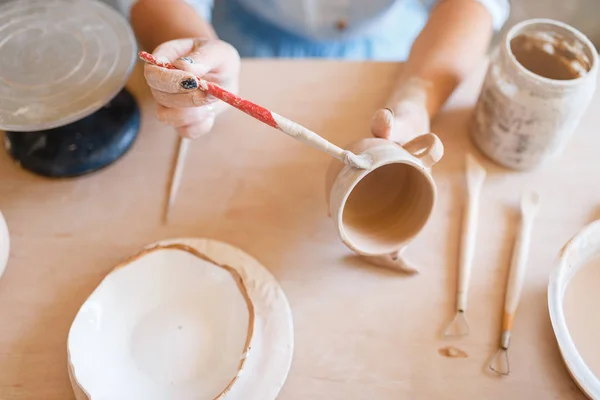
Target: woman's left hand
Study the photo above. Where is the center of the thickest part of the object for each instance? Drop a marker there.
(407, 121)
(402, 124)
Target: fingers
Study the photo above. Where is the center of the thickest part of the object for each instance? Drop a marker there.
(407, 121)
(199, 57)
(196, 98)
(193, 58)
(198, 129)
(189, 122)
(207, 56)
(169, 80)
(181, 117)
(174, 49)
(382, 123)
(180, 102)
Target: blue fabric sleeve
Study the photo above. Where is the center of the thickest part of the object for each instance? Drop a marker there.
(203, 7)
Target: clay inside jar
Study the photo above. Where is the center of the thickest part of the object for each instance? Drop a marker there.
(551, 55)
(387, 207)
(581, 307)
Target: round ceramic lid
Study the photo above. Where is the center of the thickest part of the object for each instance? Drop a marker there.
(60, 61)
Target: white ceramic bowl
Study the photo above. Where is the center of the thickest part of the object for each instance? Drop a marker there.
(574, 255)
(170, 324)
(4, 244)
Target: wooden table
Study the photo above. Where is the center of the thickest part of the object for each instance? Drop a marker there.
(361, 332)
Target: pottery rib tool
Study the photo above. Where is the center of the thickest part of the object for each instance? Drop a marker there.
(178, 165)
(272, 119)
(529, 208)
(475, 177)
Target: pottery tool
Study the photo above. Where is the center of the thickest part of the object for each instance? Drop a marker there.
(272, 119)
(514, 285)
(178, 165)
(475, 175)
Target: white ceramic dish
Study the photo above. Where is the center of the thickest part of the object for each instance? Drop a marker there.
(188, 319)
(574, 255)
(4, 244)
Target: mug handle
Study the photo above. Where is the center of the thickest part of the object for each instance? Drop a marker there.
(428, 148)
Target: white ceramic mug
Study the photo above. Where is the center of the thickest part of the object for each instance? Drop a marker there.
(378, 211)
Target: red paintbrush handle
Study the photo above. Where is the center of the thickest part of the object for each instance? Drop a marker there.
(248, 107)
(277, 121)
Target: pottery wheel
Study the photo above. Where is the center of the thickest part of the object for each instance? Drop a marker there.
(60, 61)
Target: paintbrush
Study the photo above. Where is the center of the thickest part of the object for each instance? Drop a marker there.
(475, 177)
(514, 286)
(272, 119)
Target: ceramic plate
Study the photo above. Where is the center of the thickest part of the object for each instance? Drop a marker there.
(4, 244)
(576, 253)
(185, 319)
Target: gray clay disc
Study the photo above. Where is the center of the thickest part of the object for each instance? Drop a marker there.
(60, 61)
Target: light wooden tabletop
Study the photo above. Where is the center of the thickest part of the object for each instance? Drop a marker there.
(361, 332)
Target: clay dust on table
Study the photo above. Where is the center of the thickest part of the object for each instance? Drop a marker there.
(452, 352)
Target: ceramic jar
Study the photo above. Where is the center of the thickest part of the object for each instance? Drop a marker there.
(539, 83)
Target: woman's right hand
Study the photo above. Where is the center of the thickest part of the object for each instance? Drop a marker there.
(180, 103)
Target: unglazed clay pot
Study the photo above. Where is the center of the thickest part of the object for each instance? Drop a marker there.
(539, 83)
(377, 211)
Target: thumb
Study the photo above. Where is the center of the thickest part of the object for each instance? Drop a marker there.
(407, 122)
(382, 123)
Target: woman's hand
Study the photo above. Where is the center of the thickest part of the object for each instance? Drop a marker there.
(407, 121)
(180, 103)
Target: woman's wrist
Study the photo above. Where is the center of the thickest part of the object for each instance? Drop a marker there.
(412, 91)
(405, 115)
(158, 21)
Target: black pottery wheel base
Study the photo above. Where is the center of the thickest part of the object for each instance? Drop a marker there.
(81, 147)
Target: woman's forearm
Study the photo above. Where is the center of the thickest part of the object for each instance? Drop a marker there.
(454, 40)
(157, 21)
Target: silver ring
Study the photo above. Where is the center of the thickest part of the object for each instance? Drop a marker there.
(187, 59)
